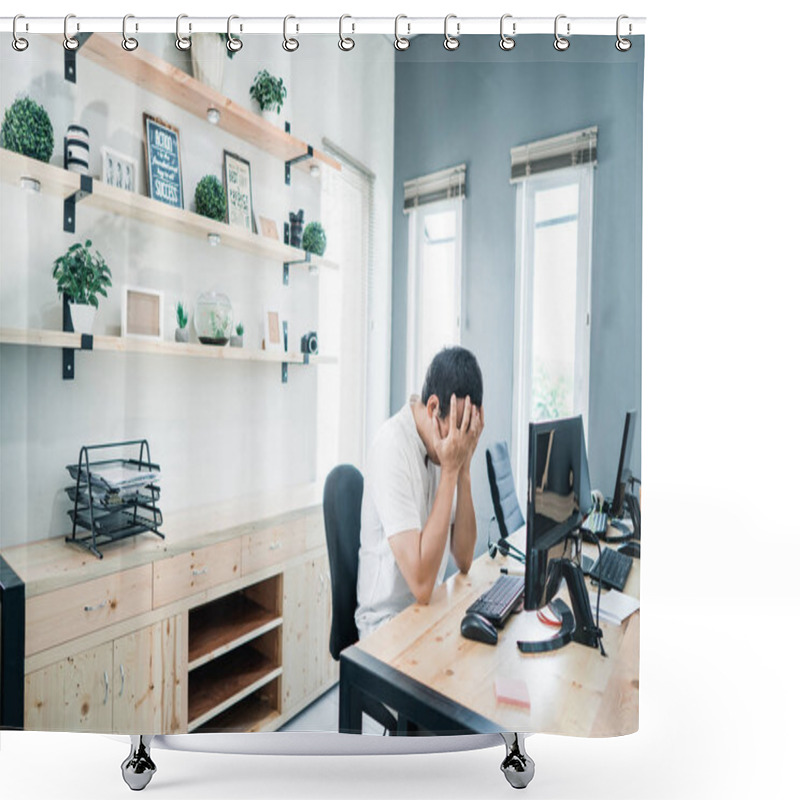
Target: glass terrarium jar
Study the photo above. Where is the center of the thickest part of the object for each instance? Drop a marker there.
(213, 318)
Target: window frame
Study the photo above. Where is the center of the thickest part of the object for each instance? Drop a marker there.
(415, 372)
(523, 301)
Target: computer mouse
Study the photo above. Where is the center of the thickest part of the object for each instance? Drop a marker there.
(632, 549)
(478, 628)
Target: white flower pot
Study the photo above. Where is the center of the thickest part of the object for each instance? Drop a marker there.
(209, 55)
(274, 118)
(82, 316)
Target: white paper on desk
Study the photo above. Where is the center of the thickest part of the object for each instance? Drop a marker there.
(616, 606)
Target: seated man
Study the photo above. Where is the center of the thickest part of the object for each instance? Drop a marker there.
(417, 492)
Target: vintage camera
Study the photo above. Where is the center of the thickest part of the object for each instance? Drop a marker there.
(309, 343)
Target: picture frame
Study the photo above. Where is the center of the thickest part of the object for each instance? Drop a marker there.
(272, 339)
(142, 313)
(120, 170)
(162, 147)
(238, 191)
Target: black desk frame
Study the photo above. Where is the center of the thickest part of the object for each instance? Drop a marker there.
(421, 710)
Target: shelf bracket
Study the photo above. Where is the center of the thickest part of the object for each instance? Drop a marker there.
(75, 198)
(285, 364)
(70, 58)
(68, 353)
(287, 264)
(292, 161)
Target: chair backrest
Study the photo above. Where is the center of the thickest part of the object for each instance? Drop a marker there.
(504, 493)
(341, 508)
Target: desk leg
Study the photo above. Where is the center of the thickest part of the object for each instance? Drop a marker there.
(350, 707)
(517, 766)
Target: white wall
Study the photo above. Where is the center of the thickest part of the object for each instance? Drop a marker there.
(219, 430)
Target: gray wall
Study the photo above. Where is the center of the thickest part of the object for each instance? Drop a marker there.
(472, 106)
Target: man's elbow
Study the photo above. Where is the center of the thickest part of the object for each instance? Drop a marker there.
(422, 593)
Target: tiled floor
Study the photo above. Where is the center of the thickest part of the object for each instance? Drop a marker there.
(323, 715)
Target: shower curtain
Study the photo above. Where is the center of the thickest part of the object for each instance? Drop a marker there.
(224, 271)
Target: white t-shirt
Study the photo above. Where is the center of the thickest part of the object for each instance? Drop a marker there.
(400, 486)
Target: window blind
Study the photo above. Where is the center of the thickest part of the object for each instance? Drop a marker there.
(567, 150)
(442, 185)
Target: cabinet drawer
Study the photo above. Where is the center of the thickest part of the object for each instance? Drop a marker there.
(273, 546)
(65, 614)
(315, 532)
(195, 571)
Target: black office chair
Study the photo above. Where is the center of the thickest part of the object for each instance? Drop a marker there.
(504, 494)
(341, 509)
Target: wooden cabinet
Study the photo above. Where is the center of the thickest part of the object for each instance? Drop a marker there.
(132, 684)
(307, 663)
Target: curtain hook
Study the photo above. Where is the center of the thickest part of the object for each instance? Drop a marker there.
(400, 42)
(234, 43)
(18, 42)
(507, 42)
(70, 42)
(451, 42)
(289, 44)
(560, 42)
(182, 42)
(622, 44)
(128, 42)
(346, 43)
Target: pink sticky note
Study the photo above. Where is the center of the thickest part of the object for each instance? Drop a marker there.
(512, 691)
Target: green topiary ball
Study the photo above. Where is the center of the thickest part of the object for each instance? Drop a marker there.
(27, 129)
(314, 239)
(209, 198)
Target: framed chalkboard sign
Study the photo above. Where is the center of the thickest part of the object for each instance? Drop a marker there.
(162, 147)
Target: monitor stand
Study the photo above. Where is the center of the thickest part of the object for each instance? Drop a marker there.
(577, 624)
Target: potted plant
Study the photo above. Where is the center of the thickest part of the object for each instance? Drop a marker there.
(81, 275)
(269, 93)
(208, 58)
(237, 341)
(27, 129)
(314, 239)
(209, 198)
(181, 332)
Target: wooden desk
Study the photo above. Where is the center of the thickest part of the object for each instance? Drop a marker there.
(420, 665)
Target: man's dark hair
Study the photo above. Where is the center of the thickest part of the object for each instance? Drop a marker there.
(454, 370)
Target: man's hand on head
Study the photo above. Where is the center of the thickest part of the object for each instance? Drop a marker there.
(456, 449)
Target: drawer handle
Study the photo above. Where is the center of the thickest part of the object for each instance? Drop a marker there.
(105, 679)
(197, 572)
(275, 546)
(97, 607)
(122, 676)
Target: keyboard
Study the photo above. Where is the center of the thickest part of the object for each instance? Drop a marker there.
(596, 522)
(498, 603)
(611, 569)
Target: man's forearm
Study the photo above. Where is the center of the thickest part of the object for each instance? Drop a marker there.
(465, 531)
(433, 537)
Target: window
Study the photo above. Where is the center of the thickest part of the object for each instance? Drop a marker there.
(553, 291)
(348, 214)
(433, 204)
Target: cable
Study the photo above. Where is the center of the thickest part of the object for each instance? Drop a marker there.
(599, 586)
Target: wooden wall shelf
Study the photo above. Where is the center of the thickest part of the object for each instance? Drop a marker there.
(62, 183)
(61, 339)
(173, 84)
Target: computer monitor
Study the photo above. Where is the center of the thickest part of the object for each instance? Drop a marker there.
(556, 464)
(624, 468)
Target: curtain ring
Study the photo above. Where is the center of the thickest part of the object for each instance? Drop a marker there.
(451, 42)
(289, 44)
(182, 42)
(346, 43)
(18, 42)
(622, 44)
(400, 42)
(70, 42)
(128, 42)
(560, 42)
(234, 43)
(507, 42)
